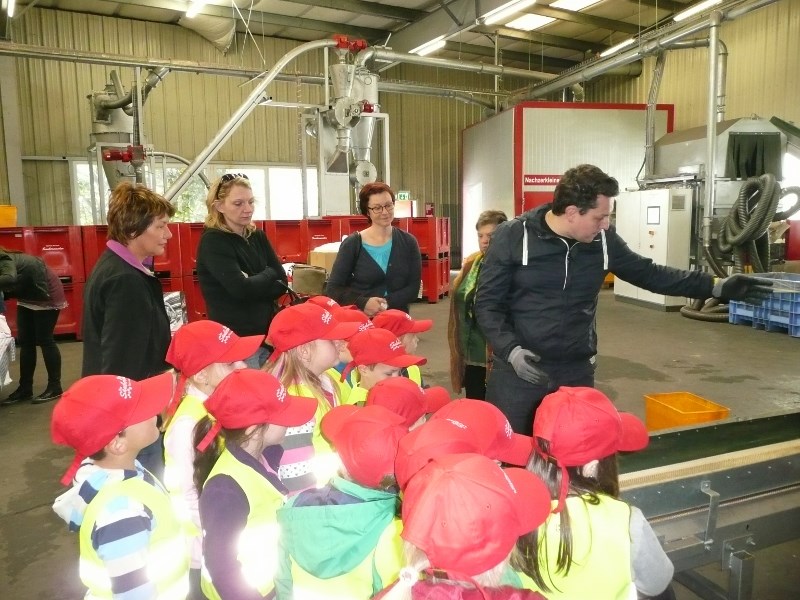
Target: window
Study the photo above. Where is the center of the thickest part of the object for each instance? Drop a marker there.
(286, 193)
(791, 177)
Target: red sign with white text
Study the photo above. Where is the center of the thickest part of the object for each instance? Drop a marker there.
(540, 179)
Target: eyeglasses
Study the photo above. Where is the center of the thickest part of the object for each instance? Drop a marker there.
(231, 176)
(376, 210)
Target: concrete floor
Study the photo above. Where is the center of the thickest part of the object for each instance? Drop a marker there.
(641, 351)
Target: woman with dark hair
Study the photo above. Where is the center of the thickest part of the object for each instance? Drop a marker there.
(379, 267)
(125, 324)
(468, 349)
(240, 275)
(593, 545)
(40, 297)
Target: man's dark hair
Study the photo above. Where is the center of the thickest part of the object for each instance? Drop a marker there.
(580, 187)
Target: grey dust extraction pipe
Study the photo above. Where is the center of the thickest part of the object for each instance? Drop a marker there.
(650, 45)
(236, 119)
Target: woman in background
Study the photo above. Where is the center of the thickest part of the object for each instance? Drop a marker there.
(40, 297)
(468, 351)
(240, 275)
(379, 267)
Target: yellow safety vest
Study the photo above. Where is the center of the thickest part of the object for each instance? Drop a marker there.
(258, 542)
(414, 374)
(192, 407)
(342, 387)
(378, 569)
(325, 463)
(167, 560)
(601, 552)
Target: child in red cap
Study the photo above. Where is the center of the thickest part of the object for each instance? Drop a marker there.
(345, 537)
(403, 326)
(305, 339)
(131, 541)
(462, 515)
(407, 399)
(203, 353)
(347, 314)
(240, 490)
(613, 552)
(378, 354)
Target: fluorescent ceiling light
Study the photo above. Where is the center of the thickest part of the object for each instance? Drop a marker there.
(503, 12)
(618, 47)
(10, 8)
(573, 4)
(433, 45)
(194, 8)
(530, 22)
(697, 8)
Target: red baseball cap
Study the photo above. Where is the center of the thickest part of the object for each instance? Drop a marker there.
(324, 302)
(375, 345)
(97, 408)
(407, 399)
(490, 427)
(201, 343)
(400, 323)
(433, 439)
(466, 513)
(366, 439)
(303, 323)
(352, 315)
(583, 425)
(254, 397)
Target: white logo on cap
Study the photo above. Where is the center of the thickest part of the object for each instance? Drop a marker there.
(508, 480)
(125, 388)
(326, 317)
(507, 430)
(395, 344)
(331, 302)
(365, 326)
(458, 424)
(225, 335)
(408, 317)
(280, 394)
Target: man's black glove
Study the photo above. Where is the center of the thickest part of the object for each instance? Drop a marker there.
(524, 363)
(743, 288)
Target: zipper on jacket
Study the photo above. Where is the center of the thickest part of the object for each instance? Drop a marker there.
(566, 260)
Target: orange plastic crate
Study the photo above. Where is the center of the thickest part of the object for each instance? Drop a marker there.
(676, 409)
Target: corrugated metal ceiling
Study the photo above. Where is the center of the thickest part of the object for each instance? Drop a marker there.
(571, 38)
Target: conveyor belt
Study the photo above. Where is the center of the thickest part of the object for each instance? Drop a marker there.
(711, 440)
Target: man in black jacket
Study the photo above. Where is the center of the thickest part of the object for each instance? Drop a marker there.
(537, 292)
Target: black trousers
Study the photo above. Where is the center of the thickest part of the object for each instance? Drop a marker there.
(35, 328)
(475, 382)
(519, 399)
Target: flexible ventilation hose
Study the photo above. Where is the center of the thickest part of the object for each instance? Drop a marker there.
(745, 234)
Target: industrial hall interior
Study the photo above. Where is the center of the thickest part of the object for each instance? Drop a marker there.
(359, 299)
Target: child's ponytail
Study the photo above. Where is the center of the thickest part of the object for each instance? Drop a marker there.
(204, 460)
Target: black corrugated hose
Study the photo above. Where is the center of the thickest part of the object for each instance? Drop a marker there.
(745, 234)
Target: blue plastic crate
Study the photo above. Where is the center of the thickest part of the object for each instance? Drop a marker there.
(781, 311)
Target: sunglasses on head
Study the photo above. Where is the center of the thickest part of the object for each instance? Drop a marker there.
(230, 177)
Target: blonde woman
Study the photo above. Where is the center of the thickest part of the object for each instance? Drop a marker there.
(240, 275)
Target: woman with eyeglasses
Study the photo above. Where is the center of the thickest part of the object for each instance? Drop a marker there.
(379, 267)
(240, 275)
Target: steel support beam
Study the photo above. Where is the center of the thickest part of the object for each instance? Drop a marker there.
(542, 38)
(360, 7)
(674, 7)
(582, 18)
(536, 61)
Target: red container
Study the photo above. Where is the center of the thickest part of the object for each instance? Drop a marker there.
(317, 232)
(443, 230)
(793, 241)
(60, 247)
(428, 232)
(169, 263)
(444, 283)
(94, 244)
(171, 284)
(190, 240)
(69, 319)
(287, 240)
(195, 303)
(352, 223)
(12, 238)
(431, 280)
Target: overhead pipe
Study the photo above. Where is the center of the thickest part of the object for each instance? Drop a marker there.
(650, 44)
(458, 65)
(650, 118)
(238, 117)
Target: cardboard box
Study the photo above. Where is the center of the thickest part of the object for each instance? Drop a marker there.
(322, 259)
